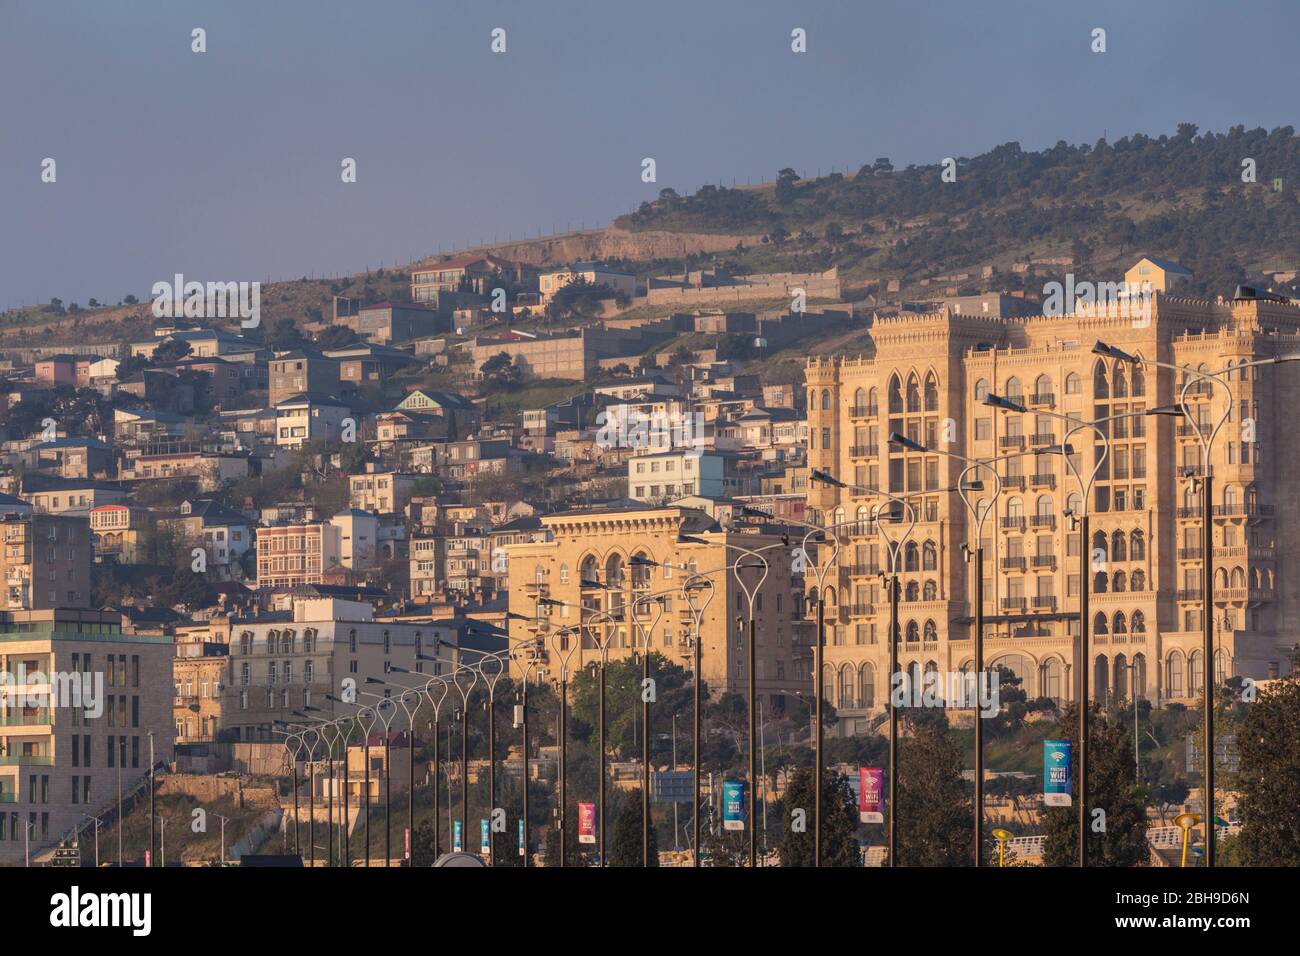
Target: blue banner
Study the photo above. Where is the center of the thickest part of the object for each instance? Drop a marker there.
(1056, 773)
(485, 836)
(522, 851)
(733, 805)
(455, 837)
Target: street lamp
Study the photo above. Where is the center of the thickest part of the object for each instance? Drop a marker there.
(647, 639)
(1206, 481)
(293, 753)
(564, 649)
(385, 703)
(532, 657)
(436, 702)
(692, 589)
(490, 682)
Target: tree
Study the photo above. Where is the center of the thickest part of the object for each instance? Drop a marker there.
(284, 335)
(1112, 789)
(785, 181)
(625, 847)
(839, 821)
(501, 372)
(935, 814)
(172, 350)
(1270, 777)
(336, 337)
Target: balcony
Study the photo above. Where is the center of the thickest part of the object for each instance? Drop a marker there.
(861, 570)
(1189, 594)
(861, 610)
(1243, 510)
(1043, 521)
(864, 411)
(1190, 431)
(1014, 603)
(1042, 481)
(1011, 441)
(1013, 523)
(1045, 399)
(1043, 562)
(1013, 482)
(1045, 602)
(864, 451)
(1013, 564)
(1042, 438)
(1191, 554)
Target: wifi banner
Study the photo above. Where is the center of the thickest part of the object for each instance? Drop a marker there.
(1056, 773)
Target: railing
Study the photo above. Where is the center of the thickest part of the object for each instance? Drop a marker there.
(1042, 521)
(1011, 441)
(1014, 603)
(34, 760)
(861, 610)
(864, 411)
(1016, 524)
(1013, 564)
(1044, 561)
(1042, 438)
(42, 716)
(1191, 554)
(864, 451)
(1189, 594)
(1242, 510)
(1045, 602)
(1042, 481)
(1010, 482)
(1042, 398)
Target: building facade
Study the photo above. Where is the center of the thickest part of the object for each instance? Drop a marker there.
(927, 379)
(594, 562)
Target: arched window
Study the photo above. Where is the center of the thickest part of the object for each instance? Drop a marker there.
(587, 573)
(1220, 578)
(1015, 508)
(859, 402)
(1195, 672)
(981, 390)
(913, 394)
(1099, 624)
(1139, 622)
(873, 401)
(911, 557)
(826, 399)
(1138, 581)
(1121, 624)
(847, 687)
(1074, 504)
(867, 685)
(1175, 664)
(1229, 498)
(1222, 667)
(1100, 381)
(1120, 380)
(1099, 582)
(614, 571)
(1137, 546)
(564, 574)
(929, 557)
(1138, 382)
(1099, 543)
(1140, 674)
(1238, 577)
(1049, 679)
(931, 631)
(931, 591)
(931, 393)
(895, 394)
(1122, 675)
(1119, 546)
(1119, 583)
(911, 592)
(1042, 388)
(913, 632)
(1014, 391)
(1073, 384)
(1043, 506)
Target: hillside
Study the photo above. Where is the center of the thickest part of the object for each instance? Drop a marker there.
(1089, 208)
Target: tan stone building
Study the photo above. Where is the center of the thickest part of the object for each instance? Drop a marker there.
(599, 546)
(927, 377)
(60, 755)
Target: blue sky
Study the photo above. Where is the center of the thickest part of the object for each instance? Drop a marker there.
(225, 165)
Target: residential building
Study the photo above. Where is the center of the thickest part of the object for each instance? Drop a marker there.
(45, 561)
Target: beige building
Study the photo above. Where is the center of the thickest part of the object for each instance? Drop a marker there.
(927, 377)
(325, 646)
(60, 752)
(599, 546)
(45, 561)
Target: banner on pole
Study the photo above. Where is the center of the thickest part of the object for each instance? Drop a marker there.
(871, 785)
(733, 805)
(1056, 773)
(586, 823)
(485, 836)
(457, 845)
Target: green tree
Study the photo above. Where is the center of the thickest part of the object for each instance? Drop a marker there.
(935, 813)
(625, 845)
(1112, 788)
(1270, 777)
(785, 190)
(839, 821)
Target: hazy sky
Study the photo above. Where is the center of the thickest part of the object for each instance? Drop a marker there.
(225, 165)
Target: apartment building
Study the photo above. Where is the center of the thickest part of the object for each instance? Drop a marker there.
(45, 561)
(596, 561)
(280, 663)
(301, 371)
(928, 378)
(117, 532)
(384, 492)
(61, 752)
(672, 474)
(303, 553)
(305, 418)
